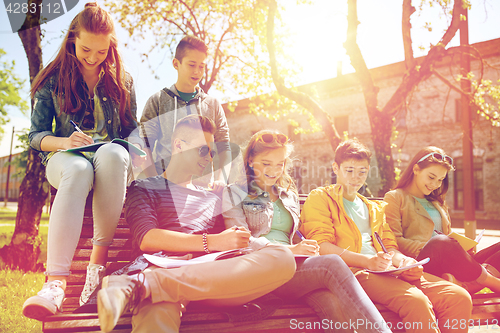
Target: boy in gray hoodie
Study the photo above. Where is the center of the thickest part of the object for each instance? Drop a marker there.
(166, 107)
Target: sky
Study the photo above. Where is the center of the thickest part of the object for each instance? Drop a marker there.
(317, 32)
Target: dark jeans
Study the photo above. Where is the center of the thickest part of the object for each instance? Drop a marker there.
(447, 256)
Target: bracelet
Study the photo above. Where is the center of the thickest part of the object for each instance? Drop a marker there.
(340, 255)
(205, 243)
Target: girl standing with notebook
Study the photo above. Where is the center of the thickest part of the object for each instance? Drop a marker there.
(85, 83)
(268, 206)
(418, 215)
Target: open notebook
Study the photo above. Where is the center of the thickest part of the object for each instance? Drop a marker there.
(93, 147)
(397, 271)
(168, 262)
(466, 242)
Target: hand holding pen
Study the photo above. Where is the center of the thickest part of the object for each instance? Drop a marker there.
(408, 275)
(77, 138)
(382, 260)
(306, 247)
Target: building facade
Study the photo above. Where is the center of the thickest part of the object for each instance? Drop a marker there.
(432, 117)
(15, 178)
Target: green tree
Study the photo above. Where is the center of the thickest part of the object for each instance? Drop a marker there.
(228, 27)
(242, 34)
(236, 33)
(485, 95)
(382, 118)
(24, 248)
(10, 87)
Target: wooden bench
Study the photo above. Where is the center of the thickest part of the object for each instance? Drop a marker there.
(198, 318)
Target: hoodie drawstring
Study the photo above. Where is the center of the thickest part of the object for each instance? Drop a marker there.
(175, 112)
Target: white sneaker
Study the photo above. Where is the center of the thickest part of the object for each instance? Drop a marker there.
(47, 302)
(118, 293)
(95, 274)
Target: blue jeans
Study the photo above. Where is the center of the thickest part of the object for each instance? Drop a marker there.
(328, 286)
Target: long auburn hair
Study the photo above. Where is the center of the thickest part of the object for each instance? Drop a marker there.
(71, 95)
(254, 147)
(406, 179)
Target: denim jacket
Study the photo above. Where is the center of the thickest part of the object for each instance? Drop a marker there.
(46, 107)
(254, 211)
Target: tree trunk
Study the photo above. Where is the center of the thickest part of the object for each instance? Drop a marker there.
(24, 248)
(381, 127)
(380, 122)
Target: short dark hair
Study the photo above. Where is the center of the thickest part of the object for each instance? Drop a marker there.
(195, 122)
(352, 149)
(190, 43)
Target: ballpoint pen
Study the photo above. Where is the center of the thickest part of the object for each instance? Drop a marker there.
(300, 235)
(75, 126)
(379, 240)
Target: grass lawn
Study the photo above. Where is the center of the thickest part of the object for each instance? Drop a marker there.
(9, 216)
(15, 288)
(7, 225)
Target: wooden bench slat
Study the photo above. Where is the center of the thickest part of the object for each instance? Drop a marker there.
(282, 325)
(88, 232)
(86, 243)
(486, 299)
(81, 323)
(80, 267)
(88, 220)
(113, 254)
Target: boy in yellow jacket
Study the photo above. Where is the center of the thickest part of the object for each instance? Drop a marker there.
(343, 222)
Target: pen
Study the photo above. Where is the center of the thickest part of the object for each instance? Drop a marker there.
(379, 240)
(76, 126)
(300, 235)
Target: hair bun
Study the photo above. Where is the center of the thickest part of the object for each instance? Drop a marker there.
(91, 4)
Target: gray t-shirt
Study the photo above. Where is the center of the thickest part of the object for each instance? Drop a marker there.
(165, 108)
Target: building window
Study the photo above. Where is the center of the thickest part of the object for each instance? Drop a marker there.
(341, 124)
(458, 194)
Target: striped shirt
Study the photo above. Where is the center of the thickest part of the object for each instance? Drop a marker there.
(156, 203)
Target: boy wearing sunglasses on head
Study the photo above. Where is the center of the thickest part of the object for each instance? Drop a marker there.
(169, 213)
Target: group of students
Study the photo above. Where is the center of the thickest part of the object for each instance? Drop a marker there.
(332, 267)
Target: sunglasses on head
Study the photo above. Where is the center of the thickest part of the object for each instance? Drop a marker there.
(203, 150)
(439, 157)
(271, 137)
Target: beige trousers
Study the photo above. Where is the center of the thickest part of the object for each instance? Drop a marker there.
(227, 282)
(430, 304)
